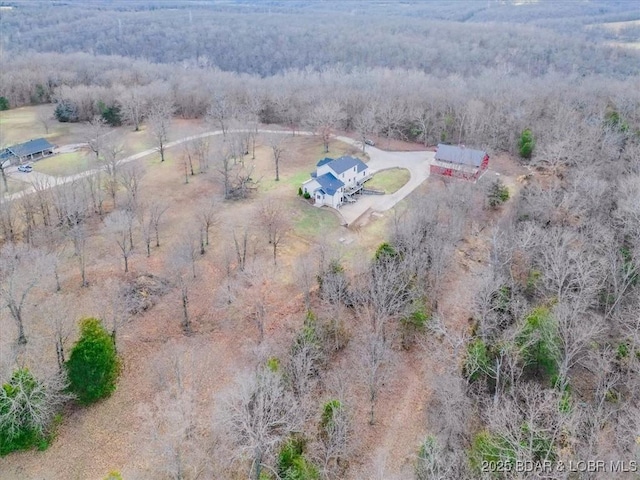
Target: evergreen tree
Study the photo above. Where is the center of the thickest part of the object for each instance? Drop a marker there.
(93, 366)
(66, 112)
(526, 143)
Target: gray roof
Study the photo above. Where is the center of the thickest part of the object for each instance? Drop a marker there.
(342, 164)
(329, 183)
(459, 155)
(31, 147)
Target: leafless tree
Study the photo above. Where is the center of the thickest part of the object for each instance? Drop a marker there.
(221, 112)
(133, 106)
(3, 165)
(78, 235)
(576, 329)
(118, 225)
(207, 216)
(277, 143)
(93, 184)
(95, 134)
(157, 209)
(201, 151)
(46, 119)
(176, 420)
(182, 260)
(112, 160)
(115, 306)
(324, 118)
(376, 368)
(7, 219)
(305, 279)
(159, 119)
(241, 248)
(365, 124)
(60, 323)
(260, 414)
(130, 177)
(273, 219)
(236, 178)
(21, 269)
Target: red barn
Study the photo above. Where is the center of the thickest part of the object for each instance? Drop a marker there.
(459, 162)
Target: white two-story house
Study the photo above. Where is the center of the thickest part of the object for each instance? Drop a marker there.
(335, 179)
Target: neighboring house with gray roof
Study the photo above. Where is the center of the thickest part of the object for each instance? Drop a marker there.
(459, 162)
(31, 150)
(334, 181)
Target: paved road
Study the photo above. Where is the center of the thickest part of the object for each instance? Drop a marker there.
(416, 162)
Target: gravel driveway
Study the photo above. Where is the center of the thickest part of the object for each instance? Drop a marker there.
(416, 162)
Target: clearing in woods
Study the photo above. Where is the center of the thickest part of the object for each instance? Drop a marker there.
(114, 434)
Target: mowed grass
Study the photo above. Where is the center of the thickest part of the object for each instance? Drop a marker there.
(65, 164)
(390, 180)
(313, 222)
(20, 125)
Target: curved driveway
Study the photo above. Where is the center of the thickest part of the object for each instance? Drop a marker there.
(416, 162)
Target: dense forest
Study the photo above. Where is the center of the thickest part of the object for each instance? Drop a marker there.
(527, 354)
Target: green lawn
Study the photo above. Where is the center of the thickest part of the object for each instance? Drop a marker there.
(390, 180)
(310, 221)
(291, 181)
(65, 164)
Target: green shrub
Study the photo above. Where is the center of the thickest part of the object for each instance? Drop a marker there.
(93, 365)
(477, 360)
(622, 351)
(526, 143)
(498, 193)
(329, 410)
(300, 191)
(539, 342)
(113, 476)
(293, 465)
(385, 251)
(307, 195)
(111, 114)
(273, 364)
(502, 299)
(414, 323)
(489, 447)
(4, 104)
(565, 401)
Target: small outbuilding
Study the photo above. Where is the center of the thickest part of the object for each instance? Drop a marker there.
(459, 162)
(28, 151)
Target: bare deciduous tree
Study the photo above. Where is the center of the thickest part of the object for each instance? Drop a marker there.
(157, 209)
(277, 143)
(324, 119)
(375, 357)
(159, 119)
(260, 414)
(21, 269)
(273, 219)
(118, 225)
